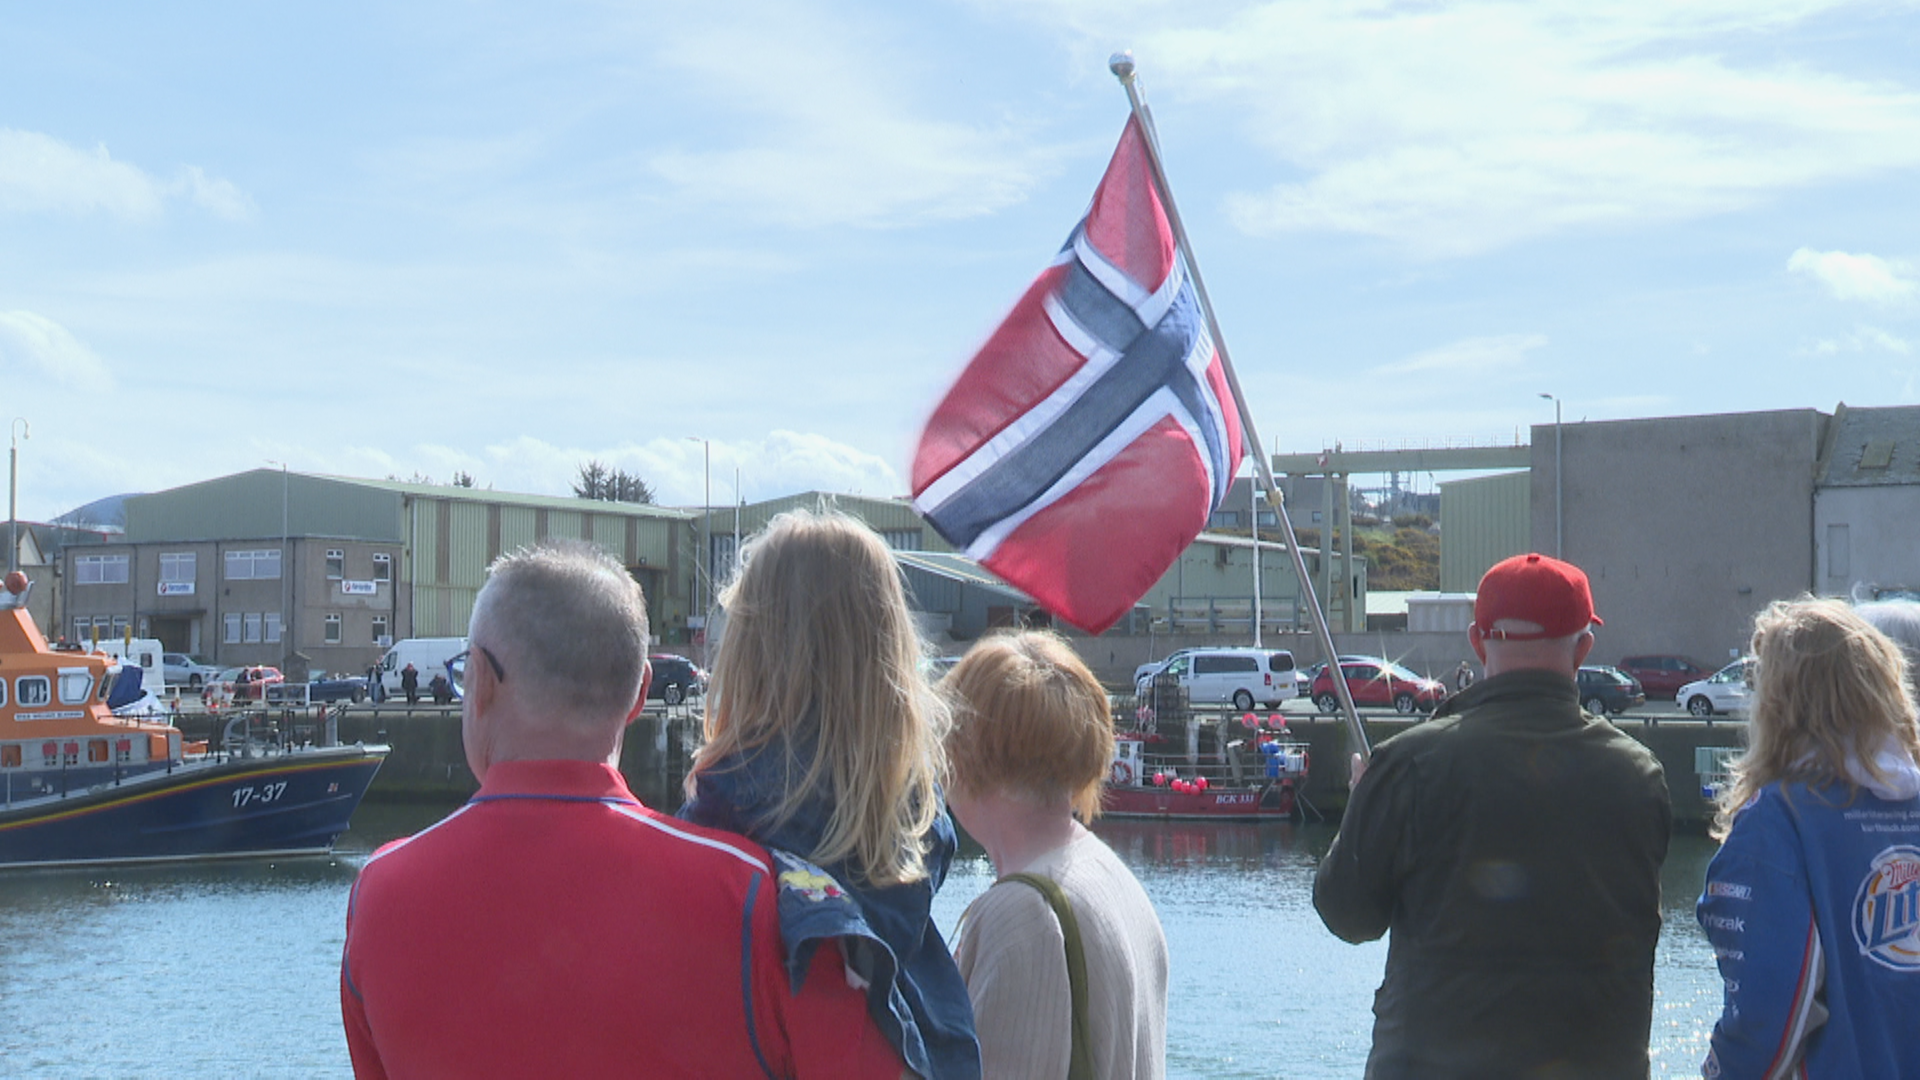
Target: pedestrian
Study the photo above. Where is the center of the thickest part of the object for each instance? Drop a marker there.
(1810, 904)
(410, 683)
(440, 689)
(1513, 847)
(823, 743)
(1030, 751)
(1462, 677)
(554, 926)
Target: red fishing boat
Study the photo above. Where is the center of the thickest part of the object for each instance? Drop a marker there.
(1150, 780)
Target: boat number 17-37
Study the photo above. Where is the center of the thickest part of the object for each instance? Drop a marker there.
(265, 793)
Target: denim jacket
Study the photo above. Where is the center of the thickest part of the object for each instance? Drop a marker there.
(914, 990)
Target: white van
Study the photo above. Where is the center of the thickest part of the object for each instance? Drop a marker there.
(428, 655)
(1241, 677)
(145, 653)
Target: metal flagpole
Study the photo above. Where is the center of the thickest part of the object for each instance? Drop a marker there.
(1121, 64)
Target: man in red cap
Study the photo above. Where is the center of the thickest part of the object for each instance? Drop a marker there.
(1513, 846)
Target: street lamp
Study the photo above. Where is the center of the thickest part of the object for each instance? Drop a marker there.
(1253, 520)
(706, 532)
(286, 572)
(1559, 515)
(21, 430)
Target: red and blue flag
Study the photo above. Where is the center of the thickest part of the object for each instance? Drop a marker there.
(1086, 444)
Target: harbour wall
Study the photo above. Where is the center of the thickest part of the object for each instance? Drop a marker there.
(428, 762)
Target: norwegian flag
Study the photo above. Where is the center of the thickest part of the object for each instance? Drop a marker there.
(1086, 444)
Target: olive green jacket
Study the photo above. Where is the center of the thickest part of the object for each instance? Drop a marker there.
(1513, 847)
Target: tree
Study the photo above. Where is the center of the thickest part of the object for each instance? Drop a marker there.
(596, 481)
(463, 479)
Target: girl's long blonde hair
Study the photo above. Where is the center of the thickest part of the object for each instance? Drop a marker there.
(819, 651)
(1829, 690)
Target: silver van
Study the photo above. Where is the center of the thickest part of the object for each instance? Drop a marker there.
(1240, 677)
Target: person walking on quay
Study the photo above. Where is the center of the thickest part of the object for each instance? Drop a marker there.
(1513, 845)
(410, 683)
(1462, 677)
(823, 743)
(1064, 957)
(554, 926)
(1810, 902)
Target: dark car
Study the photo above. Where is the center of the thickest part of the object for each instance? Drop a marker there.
(1376, 682)
(1608, 691)
(675, 679)
(1661, 674)
(343, 688)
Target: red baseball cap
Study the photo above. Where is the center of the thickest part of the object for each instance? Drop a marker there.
(1551, 594)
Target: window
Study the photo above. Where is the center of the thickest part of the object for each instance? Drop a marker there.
(379, 632)
(273, 627)
(333, 628)
(232, 636)
(336, 564)
(252, 635)
(120, 626)
(76, 686)
(253, 565)
(100, 570)
(383, 567)
(32, 690)
(1218, 665)
(176, 567)
(82, 628)
(3, 700)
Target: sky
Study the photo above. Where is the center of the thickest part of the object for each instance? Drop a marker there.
(696, 241)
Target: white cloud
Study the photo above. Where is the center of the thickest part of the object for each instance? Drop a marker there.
(37, 344)
(1867, 278)
(839, 140)
(1471, 356)
(1456, 128)
(1863, 339)
(40, 173)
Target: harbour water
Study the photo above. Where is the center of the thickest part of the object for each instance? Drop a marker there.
(231, 970)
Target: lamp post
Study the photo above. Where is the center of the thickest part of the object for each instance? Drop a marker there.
(286, 571)
(705, 564)
(1559, 515)
(21, 430)
(1253, 520)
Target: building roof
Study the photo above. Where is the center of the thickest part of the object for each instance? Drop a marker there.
(956, 567)
(509, 498)
(1872, 447)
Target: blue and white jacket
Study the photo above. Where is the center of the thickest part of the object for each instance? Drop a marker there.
(914, 989)
(1813, 909)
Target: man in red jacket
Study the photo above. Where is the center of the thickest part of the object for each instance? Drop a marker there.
(554, 926)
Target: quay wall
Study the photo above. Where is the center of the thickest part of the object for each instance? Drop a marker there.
(428, 762)
(1674, 742)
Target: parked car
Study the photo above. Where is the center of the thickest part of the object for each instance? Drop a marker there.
(1663, 674)
(1376, 682)
(1145, 671)
(1241, 677)
(339, 688)
(675, 678)
(1608, 691)
(247, 683)
(188, 671)
(1725, 691)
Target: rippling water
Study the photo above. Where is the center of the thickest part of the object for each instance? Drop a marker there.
(231, 970)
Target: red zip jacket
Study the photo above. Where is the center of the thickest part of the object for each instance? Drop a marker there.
(553, 926)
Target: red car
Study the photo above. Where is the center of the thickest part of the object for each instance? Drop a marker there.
(241, 684)
(1662, 674)
(1378, 683)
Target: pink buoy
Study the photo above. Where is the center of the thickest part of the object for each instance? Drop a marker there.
(1250, 720)
(1200, 784)
(1159, 779)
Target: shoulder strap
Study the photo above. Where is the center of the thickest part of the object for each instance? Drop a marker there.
(1080, 1066)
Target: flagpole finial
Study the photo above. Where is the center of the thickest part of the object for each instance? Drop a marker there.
(1121, 64)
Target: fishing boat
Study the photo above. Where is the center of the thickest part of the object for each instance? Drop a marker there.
(80, 785)
(1149, 780)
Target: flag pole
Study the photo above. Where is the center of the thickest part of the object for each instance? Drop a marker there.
(1121, 64)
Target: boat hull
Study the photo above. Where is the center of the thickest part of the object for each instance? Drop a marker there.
(296, 802)
(1213, 804)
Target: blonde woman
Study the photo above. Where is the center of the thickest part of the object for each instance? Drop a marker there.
(1030, 749)
(823, 744)
(1813, 903)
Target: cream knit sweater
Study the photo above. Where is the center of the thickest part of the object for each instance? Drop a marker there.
(1013, 956)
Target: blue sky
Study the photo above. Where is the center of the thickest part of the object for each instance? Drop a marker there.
(380, 239)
